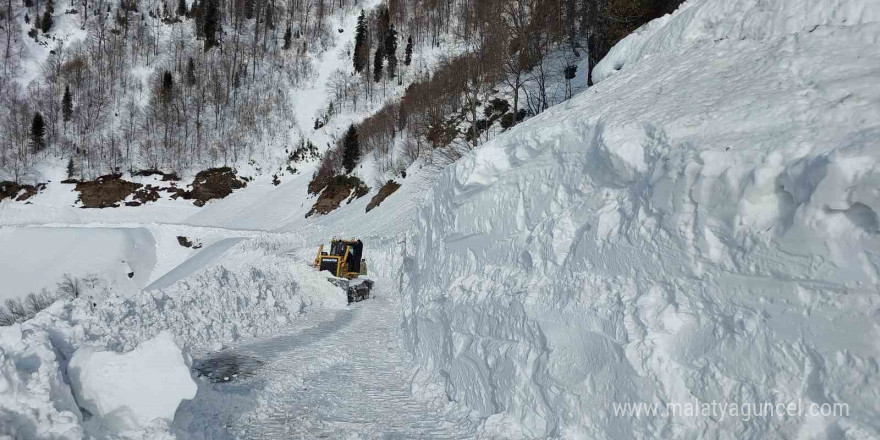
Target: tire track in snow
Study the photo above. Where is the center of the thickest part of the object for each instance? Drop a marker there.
(344, 377)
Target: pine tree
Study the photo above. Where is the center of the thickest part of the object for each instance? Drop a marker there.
(71, 168)
(287, 37)
(377, 64)
(67, 105)
(46, 24)
(270, 22)
(167, 90)
(383, 23)
(360, 44)
(407, 60)
(190, 72)
(351, 150)
(249, 9)
(391, 51)
(181, 8)
(211, 28)
(38, 132)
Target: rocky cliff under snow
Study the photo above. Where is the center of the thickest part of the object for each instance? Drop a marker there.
(702, 225)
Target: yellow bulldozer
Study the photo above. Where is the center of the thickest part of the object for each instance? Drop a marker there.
(346, 263)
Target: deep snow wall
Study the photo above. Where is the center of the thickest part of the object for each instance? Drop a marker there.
(702, 226)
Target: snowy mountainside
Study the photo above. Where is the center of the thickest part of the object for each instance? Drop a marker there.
(701, 226)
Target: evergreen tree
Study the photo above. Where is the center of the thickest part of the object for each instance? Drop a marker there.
(391, 51)
(38, 132)
(407, 60)
(270, 22)
(167, 89)
(46, 24)
(71, 168)
(190, 72)
(351, 150)
(211, 28)
(360, 44)
(67, 104)
(249, 9)
(197, 12)
(181, 8)
(377, 64)
(287, 37)
(383, 23)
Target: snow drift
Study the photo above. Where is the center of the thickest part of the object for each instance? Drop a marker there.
(703, 227)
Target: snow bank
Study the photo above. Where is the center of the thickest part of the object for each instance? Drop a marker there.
(245, 295)
(35, 401)
(132, 390)
(252, 290)
(703, 227)
(713, 20)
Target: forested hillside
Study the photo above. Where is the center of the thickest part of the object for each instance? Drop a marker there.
(104, 87)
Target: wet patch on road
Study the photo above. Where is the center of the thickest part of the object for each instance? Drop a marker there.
(227, 366)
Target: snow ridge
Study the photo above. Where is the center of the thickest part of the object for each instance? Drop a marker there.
(709, 20)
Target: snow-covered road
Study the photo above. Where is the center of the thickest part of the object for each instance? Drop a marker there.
(336, 375)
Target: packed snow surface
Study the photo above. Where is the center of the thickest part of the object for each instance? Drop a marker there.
(132, 390)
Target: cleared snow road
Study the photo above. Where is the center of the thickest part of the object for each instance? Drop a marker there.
(340, 375)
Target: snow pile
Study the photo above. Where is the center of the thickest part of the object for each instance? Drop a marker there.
(247, 293)
(701, 228)
(132, 390)
(252, 290)
(712, 20)
(35, 401)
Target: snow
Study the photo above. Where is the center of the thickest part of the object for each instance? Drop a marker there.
(701, 225)
(333, 375)
(205, 257)
(132, 390)
(37, 258)
(35, 401)
(250, 291)
(712, 20)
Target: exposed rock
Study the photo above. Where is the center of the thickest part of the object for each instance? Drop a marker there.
(19, 193)
(105, 191)
(339, 189)
(386, 190)
(214, 183)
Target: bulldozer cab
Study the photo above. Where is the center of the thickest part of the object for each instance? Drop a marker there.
(344, 260)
